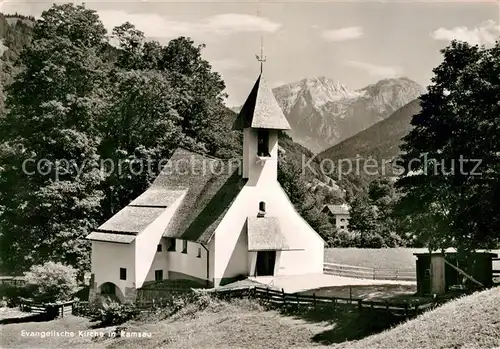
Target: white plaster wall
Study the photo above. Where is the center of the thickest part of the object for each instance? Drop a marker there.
(297, 232)
(264, 172)
(107, 258)
(211, 257)
(188, 263)
(344, 223)
(160, 262)
(238, 260)
(256, 172)
(147, 241)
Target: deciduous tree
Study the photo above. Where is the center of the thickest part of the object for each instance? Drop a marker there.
(450, 199)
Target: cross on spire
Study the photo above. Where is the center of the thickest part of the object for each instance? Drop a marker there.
(261, 58)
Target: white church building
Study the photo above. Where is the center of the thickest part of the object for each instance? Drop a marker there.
(210, 220)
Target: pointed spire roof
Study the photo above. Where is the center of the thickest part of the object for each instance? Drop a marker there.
(261, 109)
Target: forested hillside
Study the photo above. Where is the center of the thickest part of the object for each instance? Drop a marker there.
(73, 101)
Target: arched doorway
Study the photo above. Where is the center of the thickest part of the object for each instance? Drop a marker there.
(109, 290)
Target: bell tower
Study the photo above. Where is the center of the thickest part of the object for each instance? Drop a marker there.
(261, 119)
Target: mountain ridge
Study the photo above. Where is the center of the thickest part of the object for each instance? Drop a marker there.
(380, 141)
(322, 112)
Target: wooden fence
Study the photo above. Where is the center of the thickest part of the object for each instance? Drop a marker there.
(12, 280)
(56, 309)
(282, 299)
(369, 273)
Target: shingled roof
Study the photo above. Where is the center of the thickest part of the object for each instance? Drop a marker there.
(136, 216)
(212, 185)
(264, 234)
(261, 110)
(337, 209)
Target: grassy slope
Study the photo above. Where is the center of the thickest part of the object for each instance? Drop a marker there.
(392, 258)
(469, 322)
(239, 324)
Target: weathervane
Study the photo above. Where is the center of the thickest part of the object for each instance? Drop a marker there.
(261, 58)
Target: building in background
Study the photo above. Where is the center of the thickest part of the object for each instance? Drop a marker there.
(339, 214)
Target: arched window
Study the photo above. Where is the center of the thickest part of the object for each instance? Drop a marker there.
(262, 206)
(263, 143)
(262, 209)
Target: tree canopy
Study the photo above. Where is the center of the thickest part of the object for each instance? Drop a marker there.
(451, 185)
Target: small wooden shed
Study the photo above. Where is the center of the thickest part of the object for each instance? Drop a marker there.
(439, 273)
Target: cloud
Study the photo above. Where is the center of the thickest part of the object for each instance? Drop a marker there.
(343, 34)
(226, 64)
(157, 26)
(484, 34)
(377, 70)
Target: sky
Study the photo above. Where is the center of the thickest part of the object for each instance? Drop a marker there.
(355, 42)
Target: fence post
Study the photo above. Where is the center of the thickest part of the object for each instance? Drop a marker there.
(416, 309)
(283, 296)
(350, 294)
(396, 274)
(406, 310)
(314, 300)
(267, 295)
(373, 273)
(62, 310)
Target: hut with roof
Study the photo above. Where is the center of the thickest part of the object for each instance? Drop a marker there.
(208, 220)
(339, 214)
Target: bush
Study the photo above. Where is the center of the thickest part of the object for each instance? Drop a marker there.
(114, 313)
(85, 309)
(342, 238)
(51, 282)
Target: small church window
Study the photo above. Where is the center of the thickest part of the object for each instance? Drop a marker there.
(158, 248)
(262, 209)
(170, 244)
(184, 246)
(263, 143)
(199, 253)
(262, 206)
(123, 273)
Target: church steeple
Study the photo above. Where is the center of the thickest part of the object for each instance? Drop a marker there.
(261, 109)
(261, 119)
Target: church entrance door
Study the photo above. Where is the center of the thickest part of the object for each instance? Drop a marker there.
(265, 263)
